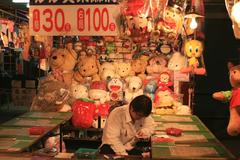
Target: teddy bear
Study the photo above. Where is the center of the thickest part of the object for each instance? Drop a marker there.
(107, 71)
(123, 69)
(134, 87)
(87, 69)
(53, 96)
(79, 91)
(233, 128)
(62, 63)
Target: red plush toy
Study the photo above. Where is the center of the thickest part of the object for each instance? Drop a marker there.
(233, 128)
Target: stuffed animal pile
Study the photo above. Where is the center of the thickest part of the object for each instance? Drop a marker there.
(143, 59)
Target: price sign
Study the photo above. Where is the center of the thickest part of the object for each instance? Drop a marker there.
(58, 20)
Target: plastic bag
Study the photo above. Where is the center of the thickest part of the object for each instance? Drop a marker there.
(83, 114)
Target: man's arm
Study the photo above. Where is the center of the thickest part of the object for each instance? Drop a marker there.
(147, 129)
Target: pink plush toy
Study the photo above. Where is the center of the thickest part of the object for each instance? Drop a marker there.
(233, 128)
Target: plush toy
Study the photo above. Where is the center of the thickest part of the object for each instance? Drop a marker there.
(53, 144)
(115, 87)
(53, 96)
(134, 87)
(62, 63)
(164, 102)
(193, 49)
(177, 62)
(107, 71)
(138, 67)
(87, 68)
(123, 69)
(98, 92)
(171, 23)
(138, 23)
(79, 91)
(156, 65)
(164, 81)
(233, 128)
(150, 88)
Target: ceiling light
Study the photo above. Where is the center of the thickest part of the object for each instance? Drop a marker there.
(20, 1)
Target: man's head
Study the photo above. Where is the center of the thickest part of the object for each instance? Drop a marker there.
(140, 106)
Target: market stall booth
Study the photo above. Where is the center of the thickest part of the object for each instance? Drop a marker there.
(94, 56)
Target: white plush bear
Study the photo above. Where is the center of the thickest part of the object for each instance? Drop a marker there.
(106, 65)
(134, 87)
(107, 71)
(123, 69)
(79, 91)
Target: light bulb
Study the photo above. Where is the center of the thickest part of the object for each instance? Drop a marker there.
(193, 24)
(236, 12)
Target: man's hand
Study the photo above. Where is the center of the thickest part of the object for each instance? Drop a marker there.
(141, 135)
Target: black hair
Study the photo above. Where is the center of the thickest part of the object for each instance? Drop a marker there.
(142, 104)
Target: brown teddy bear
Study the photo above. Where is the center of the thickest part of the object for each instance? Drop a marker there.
(87, 69)
(62, 63)
(53, 96)
(233, 128)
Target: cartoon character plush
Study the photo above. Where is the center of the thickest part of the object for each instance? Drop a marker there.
(233, 128)
(87, 68)
(171, 23)
(164, 102)
(98, 92)
(164, 81)
(134, 87)
(156, 65)
(115, 87)
(62, 63)
(177, 62)
(137, 21)
(53, 96)
(193, 49)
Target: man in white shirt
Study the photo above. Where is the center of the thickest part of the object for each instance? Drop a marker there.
(126, 125)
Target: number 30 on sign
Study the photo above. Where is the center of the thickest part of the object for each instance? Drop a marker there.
(95, 20)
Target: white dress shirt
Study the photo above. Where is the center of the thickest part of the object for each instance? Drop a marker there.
(120, 131)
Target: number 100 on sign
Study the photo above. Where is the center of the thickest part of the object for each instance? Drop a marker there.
(73, 20)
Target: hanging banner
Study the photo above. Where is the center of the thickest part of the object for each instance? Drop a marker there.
(74, 17)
